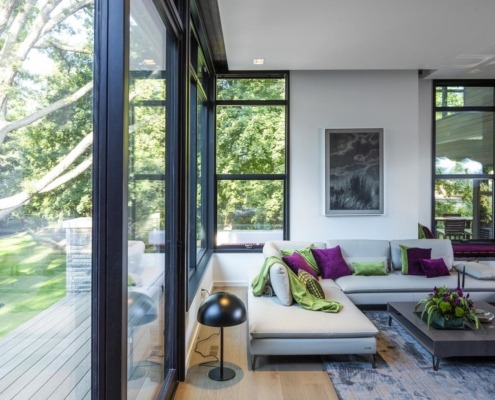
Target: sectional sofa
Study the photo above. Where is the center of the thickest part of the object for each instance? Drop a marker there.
(279, 327)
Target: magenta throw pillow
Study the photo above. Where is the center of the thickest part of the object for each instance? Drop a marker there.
(414, 254)
(434, 267)
(331, 263)
(296, 262)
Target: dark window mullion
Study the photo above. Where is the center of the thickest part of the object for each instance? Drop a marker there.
(250, 177)
(465, 109)
(252, 103)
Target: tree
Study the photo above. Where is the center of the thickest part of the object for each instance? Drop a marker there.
(250, 140)
(45, 116)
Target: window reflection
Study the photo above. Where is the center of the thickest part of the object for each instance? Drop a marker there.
(46, 199)
(146, 201)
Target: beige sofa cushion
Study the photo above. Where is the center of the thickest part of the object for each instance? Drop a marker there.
(268, 320)
(272, 248)
(279, 280)
(359, 250)
(440, 248)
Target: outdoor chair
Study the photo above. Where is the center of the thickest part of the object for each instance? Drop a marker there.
(455, 229)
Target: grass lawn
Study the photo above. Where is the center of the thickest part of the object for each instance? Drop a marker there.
(32, 278)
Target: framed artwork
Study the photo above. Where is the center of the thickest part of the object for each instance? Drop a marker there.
(353, 171)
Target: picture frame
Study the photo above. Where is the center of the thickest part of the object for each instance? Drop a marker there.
(353, 172)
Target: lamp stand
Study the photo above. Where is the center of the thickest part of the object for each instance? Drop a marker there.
(221, 373)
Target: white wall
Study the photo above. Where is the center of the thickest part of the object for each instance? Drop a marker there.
(355, 99)
(425, 151)
(225, 269)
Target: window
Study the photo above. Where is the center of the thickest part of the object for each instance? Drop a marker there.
(464, 159)
(147, 191)
(251, 160)
(46, 119)
(200, 124)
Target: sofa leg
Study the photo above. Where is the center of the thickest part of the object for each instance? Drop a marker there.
(253, 362)
(373, 361)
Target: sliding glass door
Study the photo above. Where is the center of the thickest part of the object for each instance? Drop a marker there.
(150, 50)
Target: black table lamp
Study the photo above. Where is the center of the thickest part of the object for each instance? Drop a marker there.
(221, 310)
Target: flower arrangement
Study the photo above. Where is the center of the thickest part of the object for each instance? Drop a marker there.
(449, 304)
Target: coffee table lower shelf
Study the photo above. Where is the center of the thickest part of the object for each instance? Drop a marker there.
(442, 343)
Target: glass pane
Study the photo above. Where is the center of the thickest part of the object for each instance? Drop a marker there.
(45, 200)
(146, 200)
(464, 143)
(200, 174)
(460, 96)
(464, 209)
(249, 212)
(250, 89)
(250, 140)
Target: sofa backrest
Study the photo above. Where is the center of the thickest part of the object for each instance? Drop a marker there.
(440, 248)
(355, 250)
(273, 247)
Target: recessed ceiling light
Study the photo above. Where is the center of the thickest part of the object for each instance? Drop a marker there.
(258, 61)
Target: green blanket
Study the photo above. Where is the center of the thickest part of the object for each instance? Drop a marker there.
(298, 289)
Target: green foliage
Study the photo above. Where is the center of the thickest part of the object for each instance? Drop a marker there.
(30, 152)
(250, 204)
(457, 196)
(146, 157)
(250, 139)
(32, 277)
(449, 304)
(250, 89)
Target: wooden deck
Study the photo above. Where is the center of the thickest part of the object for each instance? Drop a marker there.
(49, 357)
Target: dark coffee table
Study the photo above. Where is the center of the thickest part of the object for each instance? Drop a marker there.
(442, 343)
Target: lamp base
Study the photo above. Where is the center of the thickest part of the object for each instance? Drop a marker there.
(217, 375)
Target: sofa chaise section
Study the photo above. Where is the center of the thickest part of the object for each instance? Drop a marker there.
(276, 329)
(279, 327)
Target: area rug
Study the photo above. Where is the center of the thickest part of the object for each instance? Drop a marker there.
(404, 371)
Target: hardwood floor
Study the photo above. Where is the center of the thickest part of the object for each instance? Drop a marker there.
(274, 378)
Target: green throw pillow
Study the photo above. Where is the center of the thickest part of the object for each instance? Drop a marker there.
(306, 254)
(403, 258)
(311, 284)
(369, 268)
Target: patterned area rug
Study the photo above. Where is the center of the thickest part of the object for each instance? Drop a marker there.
(404, 371)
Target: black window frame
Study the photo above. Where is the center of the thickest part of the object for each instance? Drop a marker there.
(110, 150)
(198, 56)
(445, 109)
(285, 177)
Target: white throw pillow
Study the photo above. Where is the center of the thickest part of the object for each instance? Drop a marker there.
(279, 279)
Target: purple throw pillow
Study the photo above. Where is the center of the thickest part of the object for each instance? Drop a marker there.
(296, 262)
(414, 254)
(427, 232)
(434, 267)
(331, 263)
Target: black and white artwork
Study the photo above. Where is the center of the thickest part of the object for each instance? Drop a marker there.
(353, 171)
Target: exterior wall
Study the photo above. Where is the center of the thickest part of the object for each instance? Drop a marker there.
(78, 254)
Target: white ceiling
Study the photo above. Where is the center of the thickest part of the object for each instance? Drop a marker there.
(447, 38)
